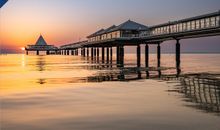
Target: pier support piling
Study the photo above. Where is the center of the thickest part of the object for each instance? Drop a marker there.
(139, 61)
(147, 60)
(92, 53)
(48, 52)
(120, 56)
(37, 52)
(178, 57)
(117, 55)
(158, 55)
(84, 52)
(107, 54)
(111, 54)
(87, 51)
(97, 51)
(103, 54)
(158, 59)
(138, 55)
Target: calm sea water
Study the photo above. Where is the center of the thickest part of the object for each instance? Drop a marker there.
(76, 93)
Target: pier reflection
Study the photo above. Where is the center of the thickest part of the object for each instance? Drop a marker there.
(200, 91)
(40, 63)
(203, 91)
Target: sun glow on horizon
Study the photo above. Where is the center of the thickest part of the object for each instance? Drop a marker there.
(22, 48)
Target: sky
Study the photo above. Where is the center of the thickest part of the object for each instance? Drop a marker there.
(67, 21)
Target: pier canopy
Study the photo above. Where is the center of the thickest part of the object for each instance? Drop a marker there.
(41, 45)
(128, 29)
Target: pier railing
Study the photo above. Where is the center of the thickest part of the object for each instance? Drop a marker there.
(207, 21)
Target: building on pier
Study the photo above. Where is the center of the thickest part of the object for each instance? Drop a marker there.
(41, 45)
(127, 29)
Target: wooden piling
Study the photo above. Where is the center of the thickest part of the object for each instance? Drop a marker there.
(87, 51)
(178, 57)
(138, 55)
(158, 55)
(147, 60)
(103, 54)
(107, 54)
(92, 53)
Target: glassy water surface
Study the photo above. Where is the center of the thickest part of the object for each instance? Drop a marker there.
(72, 92)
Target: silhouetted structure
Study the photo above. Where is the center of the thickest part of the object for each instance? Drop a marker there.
(41, 45)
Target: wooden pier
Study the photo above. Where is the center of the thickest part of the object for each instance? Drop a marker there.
(131, 33)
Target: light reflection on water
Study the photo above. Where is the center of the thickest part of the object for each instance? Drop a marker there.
(70, 92)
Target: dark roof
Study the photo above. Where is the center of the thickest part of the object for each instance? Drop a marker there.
(109, 29)
(130, 25)
(41, 41)
(96, 33)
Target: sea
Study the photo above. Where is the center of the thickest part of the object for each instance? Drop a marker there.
(57, 92)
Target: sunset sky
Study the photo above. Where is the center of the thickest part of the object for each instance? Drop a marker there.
(66, 21)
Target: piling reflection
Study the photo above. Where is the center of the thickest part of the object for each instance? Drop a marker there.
(203, 91)
(41, 66)
(40, 63)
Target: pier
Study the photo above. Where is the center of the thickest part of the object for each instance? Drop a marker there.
(135, 34)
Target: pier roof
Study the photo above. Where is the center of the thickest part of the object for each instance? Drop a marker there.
(130, 25)
(41, 41)
(109, 29)
(96, 33)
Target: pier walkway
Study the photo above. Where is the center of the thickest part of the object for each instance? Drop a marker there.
(131, 33)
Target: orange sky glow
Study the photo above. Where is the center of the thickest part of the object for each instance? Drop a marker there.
(67, 21)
